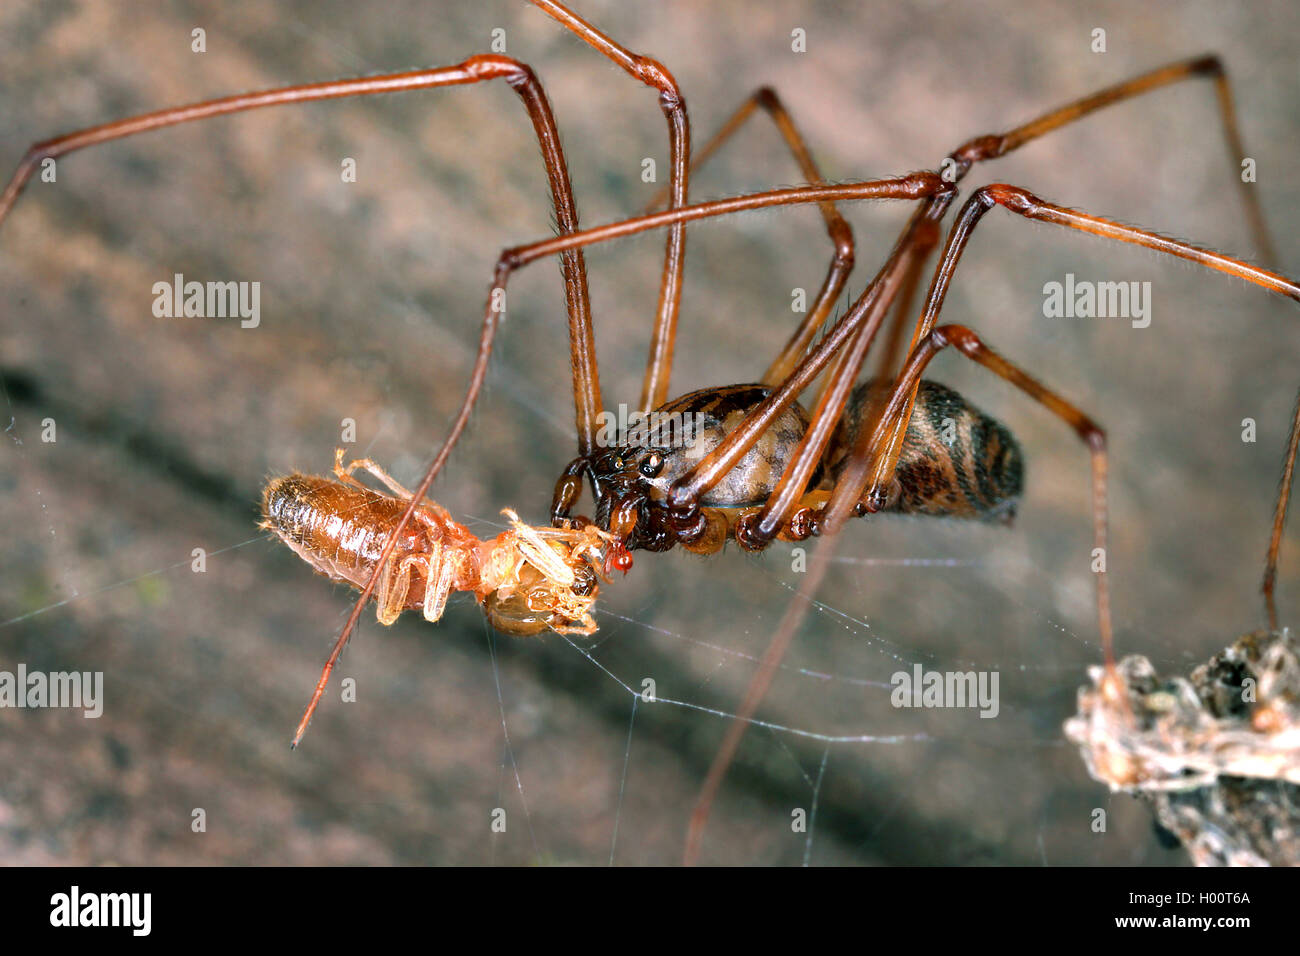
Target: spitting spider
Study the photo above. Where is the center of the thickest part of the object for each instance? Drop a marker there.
(636, 505)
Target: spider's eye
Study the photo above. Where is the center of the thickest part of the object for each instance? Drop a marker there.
(652, 466)
(619, 464)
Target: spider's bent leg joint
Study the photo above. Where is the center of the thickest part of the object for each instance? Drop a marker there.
(748, 534)
(978, 149)
(688, 523)
(1012, 197)
(879, 499)
(567, 490)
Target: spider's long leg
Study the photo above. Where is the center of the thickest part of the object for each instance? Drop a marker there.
(1024, 203)
(654, 74)
(1279, 518)
(841, 235)
(994, 145)
(899, 321)
(477, 69)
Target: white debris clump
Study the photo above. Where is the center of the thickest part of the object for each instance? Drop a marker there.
(1218, 755)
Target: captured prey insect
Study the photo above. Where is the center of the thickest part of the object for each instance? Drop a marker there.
(762, 467)
(527, 579)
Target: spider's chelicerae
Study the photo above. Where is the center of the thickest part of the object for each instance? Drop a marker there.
(809, 444)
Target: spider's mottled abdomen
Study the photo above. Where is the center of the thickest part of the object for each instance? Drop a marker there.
(956, 462)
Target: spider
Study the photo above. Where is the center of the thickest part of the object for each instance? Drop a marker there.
(832, 472)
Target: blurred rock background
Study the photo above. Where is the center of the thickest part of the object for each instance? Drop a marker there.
(371, 296)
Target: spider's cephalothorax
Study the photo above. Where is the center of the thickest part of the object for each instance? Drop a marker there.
(955, 462)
